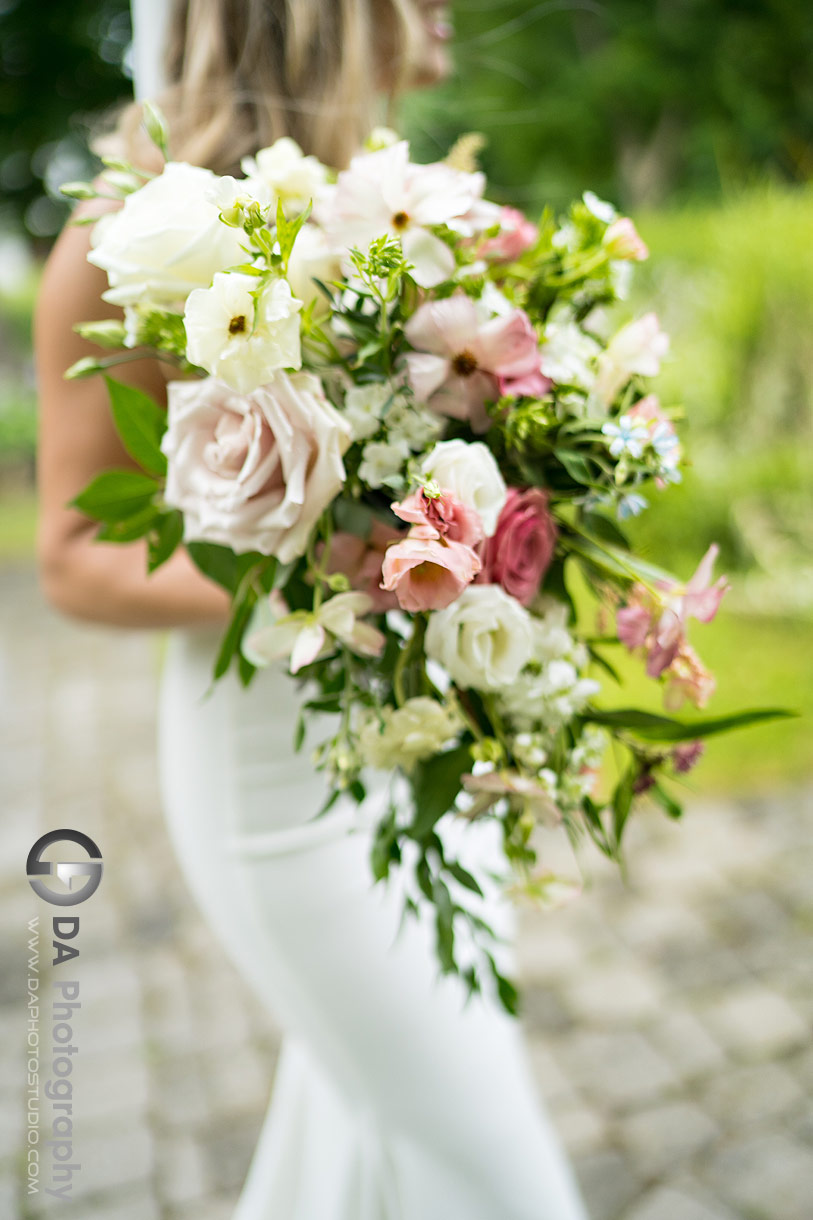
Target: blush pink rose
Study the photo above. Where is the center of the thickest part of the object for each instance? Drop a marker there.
(520, 551)
(426, 572)
(253, 471)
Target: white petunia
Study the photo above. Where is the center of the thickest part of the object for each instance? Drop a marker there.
(242, 333)
(292, 177)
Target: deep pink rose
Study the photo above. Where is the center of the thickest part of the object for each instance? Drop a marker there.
(520, 551)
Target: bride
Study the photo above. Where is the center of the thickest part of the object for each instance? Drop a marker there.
(394, 1098)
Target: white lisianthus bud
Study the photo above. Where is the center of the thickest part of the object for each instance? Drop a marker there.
(484, 638)
(240, 337)
(470, 473)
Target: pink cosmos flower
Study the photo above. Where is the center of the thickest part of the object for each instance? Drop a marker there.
(460, 362)
(658, 622)
(623, 241)
(451, 519)
(361, 559)
(517, 234)
(426, 571)
(520, 551)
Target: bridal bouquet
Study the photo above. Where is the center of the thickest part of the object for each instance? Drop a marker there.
(405, 435)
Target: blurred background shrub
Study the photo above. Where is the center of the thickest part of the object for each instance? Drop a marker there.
(696, 116)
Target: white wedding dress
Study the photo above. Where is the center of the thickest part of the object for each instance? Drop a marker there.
(393, 1099)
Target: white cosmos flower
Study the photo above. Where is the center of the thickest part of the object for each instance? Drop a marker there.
(292, 177)
(484, 638)
(384, 193)
(239, 339)
(469, 472)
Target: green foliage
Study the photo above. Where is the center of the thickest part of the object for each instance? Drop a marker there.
(116, 495)
(140, 423)
(634, 100)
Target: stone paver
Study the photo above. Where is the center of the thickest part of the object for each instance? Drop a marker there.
(668, 1020)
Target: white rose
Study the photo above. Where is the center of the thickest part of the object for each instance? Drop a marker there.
(484, 638)
(165, 240)
(293, 177)
(404, 735)
(253, 472)
(470, 472)
(240, 339)
(312, 258)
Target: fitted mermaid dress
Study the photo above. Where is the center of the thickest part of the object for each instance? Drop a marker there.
(393, 1098)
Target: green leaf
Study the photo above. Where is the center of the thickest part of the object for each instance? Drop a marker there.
(435, 784)
(115, 495)
(140, 423)
(234, 632)
(444, 925)
(662, 728)
(127, 530)
(622, 802)
(576, 465)
(299, 733)
(666, 802)
(221, 564)
(287, 231)
(507, 992)
(465, 878)
(167, 537)
(602, 527)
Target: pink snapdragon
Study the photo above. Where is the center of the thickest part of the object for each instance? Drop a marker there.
(655, 621)
(517, 234)
(520, 551)
(461, 361)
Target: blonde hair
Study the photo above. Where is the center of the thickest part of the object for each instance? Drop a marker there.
(242, 73)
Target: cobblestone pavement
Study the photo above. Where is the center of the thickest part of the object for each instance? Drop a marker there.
(669, 1019)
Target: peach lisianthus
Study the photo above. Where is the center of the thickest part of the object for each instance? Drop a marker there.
(427, 572)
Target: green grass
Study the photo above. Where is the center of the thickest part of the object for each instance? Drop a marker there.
(18, 524)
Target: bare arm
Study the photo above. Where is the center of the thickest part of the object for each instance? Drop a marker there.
(98, 581)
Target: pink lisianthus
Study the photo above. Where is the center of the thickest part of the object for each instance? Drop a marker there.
(517, 234)
(451, 519)
(657, 621)
(520, 551)
(360, 560)
(426, 571)
(624, 242)
(460, 361)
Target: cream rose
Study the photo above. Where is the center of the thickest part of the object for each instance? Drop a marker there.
(253, 472)
(470, 473)
(165, 240)
(484, 638)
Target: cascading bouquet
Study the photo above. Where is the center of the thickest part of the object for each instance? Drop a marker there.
(403, 420)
